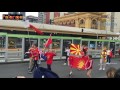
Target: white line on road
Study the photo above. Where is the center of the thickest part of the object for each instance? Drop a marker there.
(109, 64)
(102, 77)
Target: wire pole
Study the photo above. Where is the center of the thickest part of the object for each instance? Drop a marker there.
(97, 35)
(29, 38)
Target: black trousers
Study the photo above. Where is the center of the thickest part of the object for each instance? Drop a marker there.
(48, 66)
(34, 65)
(108, 58)
(66, 59)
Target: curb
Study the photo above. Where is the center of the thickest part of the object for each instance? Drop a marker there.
(18, 62)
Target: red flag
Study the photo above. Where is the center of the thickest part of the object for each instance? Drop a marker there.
(36, 29)
(75, 49)
(49, 41)
(77, 62)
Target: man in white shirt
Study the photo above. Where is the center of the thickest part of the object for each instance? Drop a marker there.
(68, 53)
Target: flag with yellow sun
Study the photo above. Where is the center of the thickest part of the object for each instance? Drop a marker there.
(77, 62)
(75, 49)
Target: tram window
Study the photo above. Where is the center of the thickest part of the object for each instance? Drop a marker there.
(112, 45)
(105, 44)
(117, 46)
(42, 43)
(99, 45)
(85, 43)
(76, 41)
(66, 43)
(14, 43)
(92, 45)
(2, 42)
(56, 44)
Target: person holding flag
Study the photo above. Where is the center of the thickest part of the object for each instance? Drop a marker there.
(77, 59)
(67, 55)
(30, 56)
(89, 65)
(50, 54)
(35, 56)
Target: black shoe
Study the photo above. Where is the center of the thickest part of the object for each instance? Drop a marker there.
(28, 68)
(70, 74)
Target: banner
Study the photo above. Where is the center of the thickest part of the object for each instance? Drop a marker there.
(49, 41)
(78, 62)
(36, 29)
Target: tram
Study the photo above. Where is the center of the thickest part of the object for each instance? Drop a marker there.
(14, 46)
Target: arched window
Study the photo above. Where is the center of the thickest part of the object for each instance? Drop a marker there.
(94, 24)
(72, 23)
(82, 23)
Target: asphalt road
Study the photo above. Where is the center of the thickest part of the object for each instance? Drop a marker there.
(16, 69)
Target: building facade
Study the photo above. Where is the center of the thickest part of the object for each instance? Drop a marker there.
(41, 17)
(23, 13)
(46, 17)
(113, 22)
(62, 13)
(90, 20)
(32, 19)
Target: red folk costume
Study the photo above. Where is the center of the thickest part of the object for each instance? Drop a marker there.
(35, 54)
(50, 56)
(31, 52)
(89, 64)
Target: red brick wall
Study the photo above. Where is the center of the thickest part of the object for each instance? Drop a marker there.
(56, 14)
(47, 18)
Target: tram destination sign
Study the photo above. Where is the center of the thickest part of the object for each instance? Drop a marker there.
(12, 17)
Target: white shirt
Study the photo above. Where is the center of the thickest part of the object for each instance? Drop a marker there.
(68, 52)
(108, 52)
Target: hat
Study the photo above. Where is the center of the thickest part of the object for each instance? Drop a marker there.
(43, 72)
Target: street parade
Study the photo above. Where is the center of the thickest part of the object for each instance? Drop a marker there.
(71, 45)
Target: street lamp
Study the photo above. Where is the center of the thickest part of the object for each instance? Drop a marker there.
(118, 34)
(97, 35)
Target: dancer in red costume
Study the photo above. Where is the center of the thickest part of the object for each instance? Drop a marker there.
(35, 56)
(50, 54)
(89, 65)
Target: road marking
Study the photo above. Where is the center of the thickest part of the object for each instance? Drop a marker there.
(103, 77)
(108, 64)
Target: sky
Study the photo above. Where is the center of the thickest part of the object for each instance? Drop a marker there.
(27, 13)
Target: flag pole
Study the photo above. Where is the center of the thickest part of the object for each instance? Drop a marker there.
(46, 42)
(29, 38)
(28, 30)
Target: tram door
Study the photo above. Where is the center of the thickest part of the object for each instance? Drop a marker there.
(66, 43)
(28, 43)
(112, 46)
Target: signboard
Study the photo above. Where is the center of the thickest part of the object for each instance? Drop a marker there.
(12, 17)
